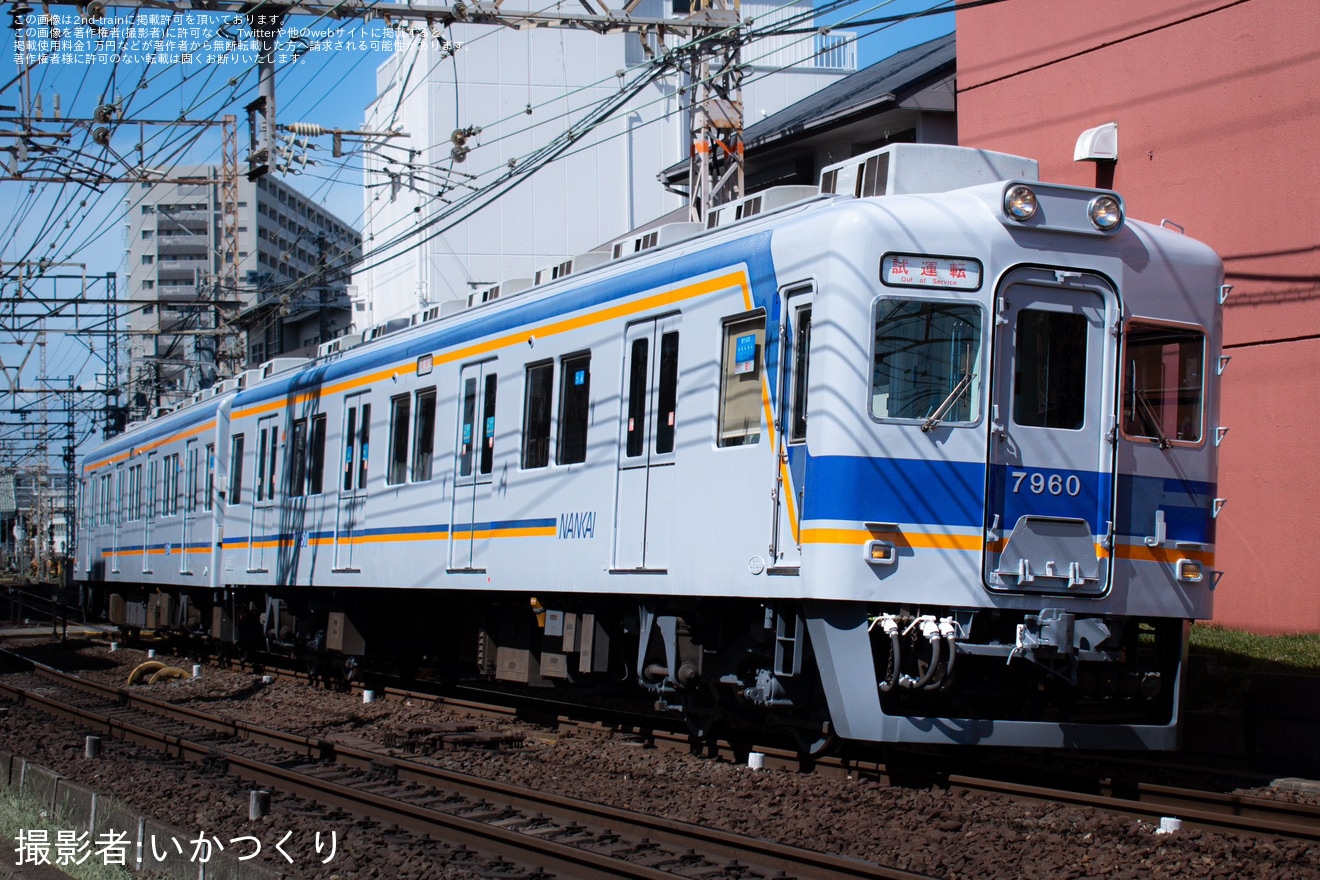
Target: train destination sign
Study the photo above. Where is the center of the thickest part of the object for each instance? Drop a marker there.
(919, 270)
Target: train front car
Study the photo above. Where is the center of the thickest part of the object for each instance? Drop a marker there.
(1007, 476)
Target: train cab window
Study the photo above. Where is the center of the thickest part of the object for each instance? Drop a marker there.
(574, 408)
(740, 382)
(536, 415)
(316, 456)
(927, 361)
(424, 436)
(400, 417)
(1049, 376)
(1163, 383)
(236, 470)
(296, 469)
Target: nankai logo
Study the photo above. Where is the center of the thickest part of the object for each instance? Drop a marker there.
(577, 525)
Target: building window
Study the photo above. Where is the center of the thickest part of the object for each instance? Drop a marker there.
(148, 234)
(536, 415)
(148, 259)
(574, 408)
(740, 382)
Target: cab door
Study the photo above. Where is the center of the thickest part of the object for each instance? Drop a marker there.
(1050, 491)
(791, 429)
(644, 493)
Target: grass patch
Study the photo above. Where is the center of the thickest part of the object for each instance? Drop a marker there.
(20, 812)
(1223, 661)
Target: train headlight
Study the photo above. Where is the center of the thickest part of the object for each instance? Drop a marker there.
(1190, 571)
(1020, 203)
(1105, 213)
(880, 553)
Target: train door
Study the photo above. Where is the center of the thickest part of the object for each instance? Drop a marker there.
(116, 517)
(351, 513)
(149, 521)
(264, 524)
(791, 428)
(1050, 477)
(474, 462)
(644, 500)
(189, 506)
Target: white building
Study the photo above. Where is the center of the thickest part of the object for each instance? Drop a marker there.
(522, 89)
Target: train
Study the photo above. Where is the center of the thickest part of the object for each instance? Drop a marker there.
(924, 455)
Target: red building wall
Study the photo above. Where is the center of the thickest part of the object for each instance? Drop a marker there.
(1218, 111)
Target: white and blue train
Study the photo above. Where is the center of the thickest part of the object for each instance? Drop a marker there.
(929, 457)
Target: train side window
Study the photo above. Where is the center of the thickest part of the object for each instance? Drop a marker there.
(424, 436)
(190, 483)
(400, 418)
(316, 456)
(357, 444)
(488, 425)
(636, 435)
(151, 487)
(364, 445)
(135, 492)
(208, 500)
(296, 470)
(350, 446)
(169, 499)
(740, 382)
(668, 393)
(574, 408)
(236, 470)
(1049, 375)
(797, 423)
(536, 415)
(926, 358)
(469, 429)
(1164, 382)
(260, 469)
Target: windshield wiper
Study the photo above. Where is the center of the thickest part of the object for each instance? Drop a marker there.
(1148, 414)
(963, 384)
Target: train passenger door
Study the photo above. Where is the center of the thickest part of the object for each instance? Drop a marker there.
(189, 505)
(265, 518)
(351, 512)
(1049, 496)
(474, 462)
(791, 429)
(644, 503)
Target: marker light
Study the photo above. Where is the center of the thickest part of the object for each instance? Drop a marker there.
(880, 553)
(1190, 571)
(1105, 213)
(1020, 203)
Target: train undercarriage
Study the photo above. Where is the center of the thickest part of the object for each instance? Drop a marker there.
(714, 661)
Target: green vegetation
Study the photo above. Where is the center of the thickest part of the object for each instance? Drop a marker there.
(21, 813)
(1297, 654)
(1223, 661)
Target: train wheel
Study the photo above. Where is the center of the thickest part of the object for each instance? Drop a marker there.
(814, 743)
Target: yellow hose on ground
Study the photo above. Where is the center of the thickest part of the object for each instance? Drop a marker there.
(149, 667)
(168, 673)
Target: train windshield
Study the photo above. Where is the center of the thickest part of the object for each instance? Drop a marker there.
(927, 361)
(1164, 386)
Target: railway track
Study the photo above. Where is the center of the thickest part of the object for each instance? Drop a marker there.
(479, 820)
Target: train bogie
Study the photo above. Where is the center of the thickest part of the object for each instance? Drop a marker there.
(932, 467)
